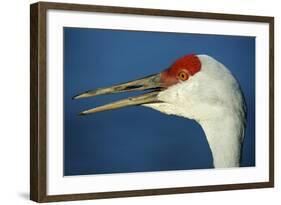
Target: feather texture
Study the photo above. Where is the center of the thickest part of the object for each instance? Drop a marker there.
(213, 98)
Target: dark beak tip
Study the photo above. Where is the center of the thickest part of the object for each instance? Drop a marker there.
(75, 97)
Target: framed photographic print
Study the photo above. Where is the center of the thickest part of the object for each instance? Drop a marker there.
(134, 102)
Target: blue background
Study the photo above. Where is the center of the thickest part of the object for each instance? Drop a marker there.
(139, 139)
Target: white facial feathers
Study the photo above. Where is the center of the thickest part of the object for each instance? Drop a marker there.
(214, 99)
(208, 94)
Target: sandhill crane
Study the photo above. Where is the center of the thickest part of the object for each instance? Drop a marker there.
(196, 87)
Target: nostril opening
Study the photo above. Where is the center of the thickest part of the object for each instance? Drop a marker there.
(133, 87)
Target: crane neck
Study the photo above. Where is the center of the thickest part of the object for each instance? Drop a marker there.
(225, 137)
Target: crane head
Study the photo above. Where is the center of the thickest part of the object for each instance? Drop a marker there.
(195, 86)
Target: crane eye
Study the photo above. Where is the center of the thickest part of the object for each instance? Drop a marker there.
(183, 76)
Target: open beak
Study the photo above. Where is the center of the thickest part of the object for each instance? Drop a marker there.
(150, 83)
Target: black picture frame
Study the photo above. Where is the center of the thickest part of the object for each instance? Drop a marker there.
(38, 101)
